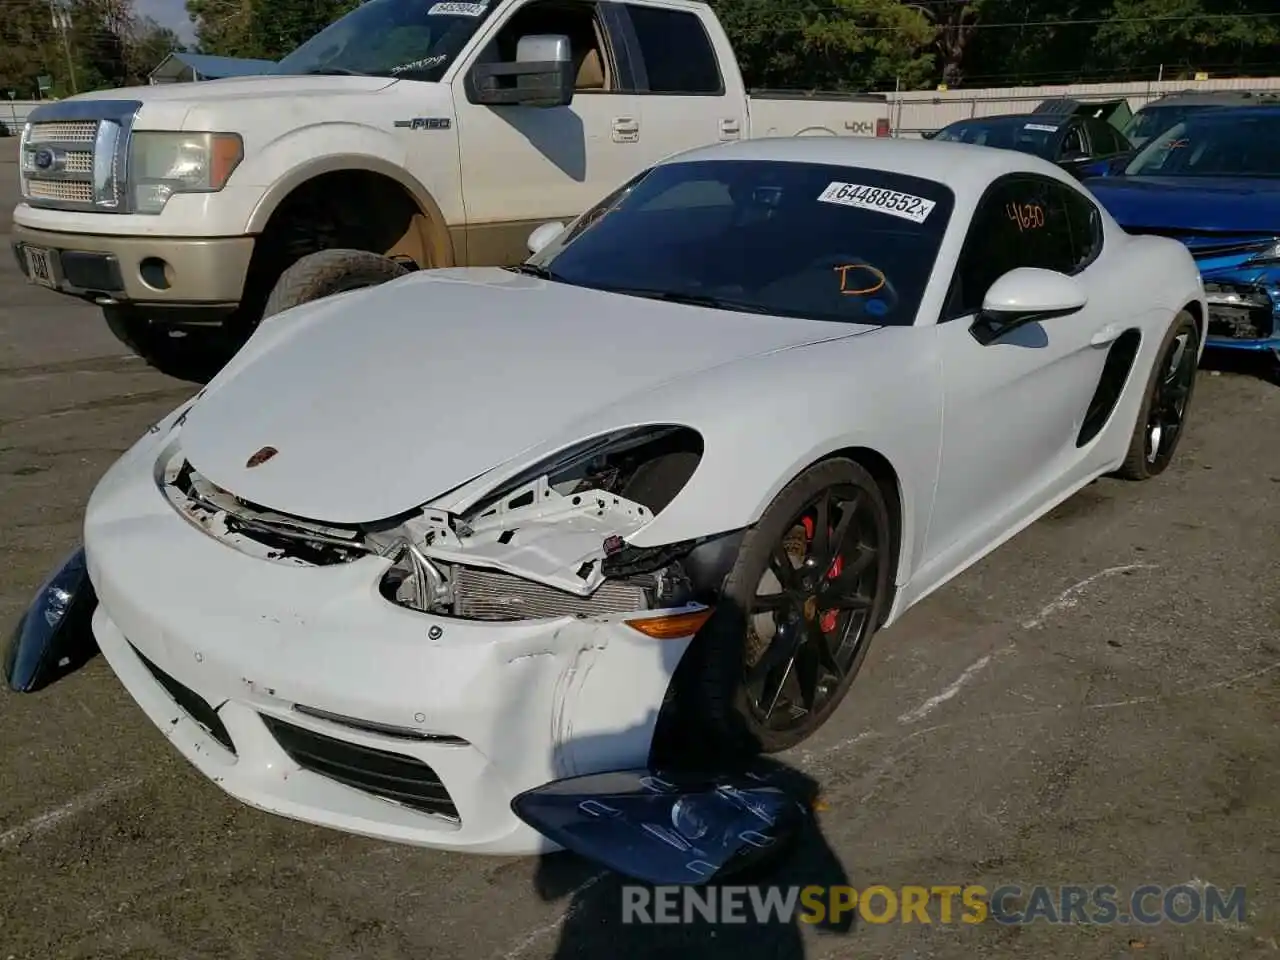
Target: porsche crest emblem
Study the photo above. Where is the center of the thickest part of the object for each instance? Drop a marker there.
(261, 457)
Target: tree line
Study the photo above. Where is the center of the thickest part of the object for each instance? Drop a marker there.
(809, 44)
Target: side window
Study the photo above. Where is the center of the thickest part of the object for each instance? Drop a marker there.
(1085, 225)
(1023, 221)
(1104, 138)
(1073, 143)
(576, 20)
(677, 53)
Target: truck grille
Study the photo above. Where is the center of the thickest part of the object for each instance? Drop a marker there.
(73, 155)
(65, 131)
(63, 191)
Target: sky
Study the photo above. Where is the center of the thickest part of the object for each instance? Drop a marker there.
(168, 13)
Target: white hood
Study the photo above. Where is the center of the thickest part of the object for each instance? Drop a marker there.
(270, 86)
(381, 400)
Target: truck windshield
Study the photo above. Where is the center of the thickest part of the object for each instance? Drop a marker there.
(1217, 143)
(823, 242)
(409, 39)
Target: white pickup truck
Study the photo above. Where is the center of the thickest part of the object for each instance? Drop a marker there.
(410, 134)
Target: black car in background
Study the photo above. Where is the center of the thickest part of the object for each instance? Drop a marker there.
(1072, 141)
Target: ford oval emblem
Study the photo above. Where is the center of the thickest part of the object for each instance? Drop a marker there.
(261, 457)
(43, 159)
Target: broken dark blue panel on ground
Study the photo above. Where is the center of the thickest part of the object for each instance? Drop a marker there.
(54, 636)
(667, 828)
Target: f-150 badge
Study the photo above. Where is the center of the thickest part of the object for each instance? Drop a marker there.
(426, 123)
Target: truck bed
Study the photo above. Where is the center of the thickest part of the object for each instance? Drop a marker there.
(816, 113)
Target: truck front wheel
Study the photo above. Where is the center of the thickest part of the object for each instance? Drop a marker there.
(194, 352)
(327, 273)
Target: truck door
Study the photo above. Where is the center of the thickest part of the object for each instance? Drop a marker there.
(525, 165)
(689, 95)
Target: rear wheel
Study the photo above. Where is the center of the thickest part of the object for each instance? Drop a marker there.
(1162, 417)
(799, 609)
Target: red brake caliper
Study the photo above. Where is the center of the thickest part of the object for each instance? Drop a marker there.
(829, 618)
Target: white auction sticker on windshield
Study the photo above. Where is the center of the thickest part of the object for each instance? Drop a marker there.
(458, 9)
(915, 209)
(1043, 127)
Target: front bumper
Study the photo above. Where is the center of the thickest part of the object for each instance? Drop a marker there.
(167, 271)
(1244, 306)
(487, 710)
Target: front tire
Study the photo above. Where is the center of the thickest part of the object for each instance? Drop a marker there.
(798, 610)
(328, 273)
(1162, 416)
(194, 352)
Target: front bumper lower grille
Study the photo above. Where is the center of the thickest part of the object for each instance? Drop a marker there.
(195, 706)
(390, 776)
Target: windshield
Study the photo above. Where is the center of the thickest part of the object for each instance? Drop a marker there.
(1149, 121)
(1025, 136)
(410, 39)
(832, 243)
(1213, 144)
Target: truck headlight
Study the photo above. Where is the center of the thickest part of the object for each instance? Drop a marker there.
(162, 164)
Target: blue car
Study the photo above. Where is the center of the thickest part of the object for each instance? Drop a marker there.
(1213, 182)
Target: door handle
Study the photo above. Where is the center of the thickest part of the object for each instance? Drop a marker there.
(626, 125)
(730, 125)
(1108, 334)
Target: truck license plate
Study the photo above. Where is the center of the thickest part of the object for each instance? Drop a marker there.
(40, 266)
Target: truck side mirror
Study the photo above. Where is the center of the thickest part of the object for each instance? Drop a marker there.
(541, 76)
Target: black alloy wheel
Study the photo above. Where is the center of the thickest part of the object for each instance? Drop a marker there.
(810, 586)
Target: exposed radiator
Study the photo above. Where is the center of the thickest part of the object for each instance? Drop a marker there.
(493, 595)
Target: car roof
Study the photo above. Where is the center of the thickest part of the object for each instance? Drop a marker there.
(1234, 114)
(1214, 98)
(964, 167)
(1008, 119)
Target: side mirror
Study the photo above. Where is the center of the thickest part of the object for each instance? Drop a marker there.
(1023, 296)
(543, 236)
(541, 76)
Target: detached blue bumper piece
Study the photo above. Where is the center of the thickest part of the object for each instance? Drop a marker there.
(665, 828)
(54, 636)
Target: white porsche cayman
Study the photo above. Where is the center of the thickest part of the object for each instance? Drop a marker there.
(424, 546)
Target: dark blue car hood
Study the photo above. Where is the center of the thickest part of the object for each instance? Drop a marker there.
(1191, 204)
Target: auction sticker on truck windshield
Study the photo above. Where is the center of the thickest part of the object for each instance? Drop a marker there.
(450, 7)
(915, 209)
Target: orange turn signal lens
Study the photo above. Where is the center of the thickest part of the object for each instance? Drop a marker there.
(228, 151)
(674, 626)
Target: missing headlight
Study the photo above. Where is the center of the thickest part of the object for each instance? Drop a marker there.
(646, 465)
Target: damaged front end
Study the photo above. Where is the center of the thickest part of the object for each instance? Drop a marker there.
(550, 542)
(1242, 288)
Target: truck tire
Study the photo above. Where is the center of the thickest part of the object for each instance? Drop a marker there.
(329, 272)
(193, 353)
